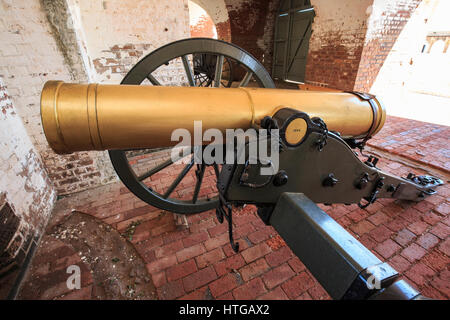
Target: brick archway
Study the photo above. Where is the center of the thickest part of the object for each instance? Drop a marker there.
(218, 12)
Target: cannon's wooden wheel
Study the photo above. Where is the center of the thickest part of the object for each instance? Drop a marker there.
(205, 67)
(183, 49)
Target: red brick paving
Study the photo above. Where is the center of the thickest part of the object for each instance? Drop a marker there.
(424, 142)
(51, 265)
(198, 263)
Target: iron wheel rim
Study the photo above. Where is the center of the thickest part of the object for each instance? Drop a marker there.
(143, 70)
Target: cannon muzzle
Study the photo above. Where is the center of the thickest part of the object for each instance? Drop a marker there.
(80, 117)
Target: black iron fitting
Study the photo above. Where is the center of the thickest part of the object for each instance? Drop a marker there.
(373, 196)
(372, 161)
(322, 142)
(362, 183)
(330, 181)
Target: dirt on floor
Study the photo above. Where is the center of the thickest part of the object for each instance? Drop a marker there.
(117, 271)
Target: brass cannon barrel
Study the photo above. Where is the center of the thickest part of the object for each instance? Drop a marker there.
(79, 117)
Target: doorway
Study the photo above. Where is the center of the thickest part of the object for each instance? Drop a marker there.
(293, 27)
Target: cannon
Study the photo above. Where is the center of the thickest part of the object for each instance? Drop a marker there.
(316, 135)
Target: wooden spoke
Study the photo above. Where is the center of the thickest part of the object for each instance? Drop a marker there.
(163, 165)
(246, 79)
(200, 175)
(216, 170)
(153, 80)
(219, 69)
(156, 169)
(206, 63)
(188, 69)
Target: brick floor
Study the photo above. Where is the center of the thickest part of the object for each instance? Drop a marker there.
(198, 263)
(425, 143)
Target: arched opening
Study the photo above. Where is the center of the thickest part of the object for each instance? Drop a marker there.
(415, 72)
(217, 11)
(200, 22)
(437, 47)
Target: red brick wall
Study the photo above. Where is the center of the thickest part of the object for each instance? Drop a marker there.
(252, 27)
(224, 31)
(335, 65)
(204, 28)
(336, 43)
(386, 24)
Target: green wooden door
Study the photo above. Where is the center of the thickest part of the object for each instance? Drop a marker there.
(291, 43)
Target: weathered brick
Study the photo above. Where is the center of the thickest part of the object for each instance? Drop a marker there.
(277, 276)
(216, 242)
(418, 227)
(181, 270)
(168, 249)
(442, 283)
(430, 218)
(443, 209)
(190, 252)
(296, 265)
(420, 273)
(317, 292)
(159, 279)
(297, 285)
(378, 218)
(249, 290)
(387, 248)
(399, 263)
(232, 263)
(411, 215)
(218, 229)
(199, 294)
(381, 233)
(362, 227)
(278, 257)
(367, 241)
(210, 257)
(397, 224)
(255, 252)
(404, 237)
(202, 226)
(254, 269)
(223, 285)
(413, 252)
(275, 294)
(161, 264)
(436, 260)
(195, 239)
(276, 242)
(427, 241)
(445, 247)
(171, 290)
(260, 235)
(304, 296)
(244, 230)
(243, 244)
(441, 230)
(199, 279)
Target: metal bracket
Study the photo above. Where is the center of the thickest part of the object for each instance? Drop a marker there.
(373, 196)
(225, 210)
(343, 266)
